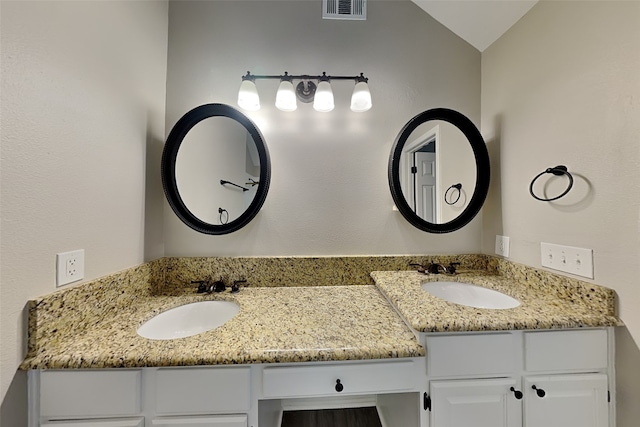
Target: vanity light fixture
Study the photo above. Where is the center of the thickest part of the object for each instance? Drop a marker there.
(248, 94)
(286, 95)
(320, 93)
(323, 101)
(361, 98)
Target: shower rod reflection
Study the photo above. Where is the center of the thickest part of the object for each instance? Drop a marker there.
(223, 182)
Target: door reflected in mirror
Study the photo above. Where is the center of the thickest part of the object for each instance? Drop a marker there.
(437, 156)
(217, 191)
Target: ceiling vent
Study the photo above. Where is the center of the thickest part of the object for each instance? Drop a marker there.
(344, 9)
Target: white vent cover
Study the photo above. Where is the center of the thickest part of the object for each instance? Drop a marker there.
(344, 9)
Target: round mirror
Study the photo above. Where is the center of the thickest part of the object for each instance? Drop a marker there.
(215, 169)
(439, 171)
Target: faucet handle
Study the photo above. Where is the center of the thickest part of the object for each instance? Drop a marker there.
(236, 285)
(420, 268)
(451, 269)
(202, 286)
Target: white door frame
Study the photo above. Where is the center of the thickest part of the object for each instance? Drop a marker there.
(406, 180)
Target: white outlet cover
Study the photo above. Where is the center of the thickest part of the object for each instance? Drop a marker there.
(69, 267)
(502, 246)
(569, 259)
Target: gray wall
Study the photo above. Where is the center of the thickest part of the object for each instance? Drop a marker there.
(83, 90)
(329, 191)
(82, 111)
(562, 87)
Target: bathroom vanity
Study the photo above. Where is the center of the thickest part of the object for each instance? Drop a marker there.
(541, 379)
(484, 379)
(524, 372)
(225, 396)
(419, 360)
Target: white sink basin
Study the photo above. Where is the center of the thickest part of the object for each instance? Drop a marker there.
(470, 295)
(188, 319)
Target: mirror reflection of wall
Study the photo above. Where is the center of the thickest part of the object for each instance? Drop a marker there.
(436, 156)
(215, 149)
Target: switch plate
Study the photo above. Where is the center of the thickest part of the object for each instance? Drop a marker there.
(502, 246)
(69, 267)
(578, 261)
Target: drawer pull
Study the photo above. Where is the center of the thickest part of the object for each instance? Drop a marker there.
(540, 392)
(339, 386)
(516, 393)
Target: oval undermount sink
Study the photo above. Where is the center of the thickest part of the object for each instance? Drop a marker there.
(189, 319)
(470, 295)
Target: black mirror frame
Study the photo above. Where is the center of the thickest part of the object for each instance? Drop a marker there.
(168, 171)
(483, 171)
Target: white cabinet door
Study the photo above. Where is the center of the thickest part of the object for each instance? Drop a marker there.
(202, 390)
(566, 401)
(475, 403)
(129, 422)
(213, 421)
(472, 355)
(566, 351)
(87, 393)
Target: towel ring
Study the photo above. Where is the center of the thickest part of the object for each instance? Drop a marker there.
(224, 216)
(557, 171)
(454, 186)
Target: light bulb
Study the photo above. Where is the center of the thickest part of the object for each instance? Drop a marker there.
(248, 96)
(286, 96)
(323, 101)
(361, 98)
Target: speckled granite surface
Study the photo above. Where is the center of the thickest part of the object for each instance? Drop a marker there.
(94, 325)
(285, 324)
(296, 271)
(548, 301)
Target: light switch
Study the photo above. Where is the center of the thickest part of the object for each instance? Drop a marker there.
(578, 261)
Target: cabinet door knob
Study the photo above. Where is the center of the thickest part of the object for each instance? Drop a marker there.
(339, 386)
(516, 393)
(540, 392)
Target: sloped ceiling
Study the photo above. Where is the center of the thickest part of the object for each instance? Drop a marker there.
(479, 22)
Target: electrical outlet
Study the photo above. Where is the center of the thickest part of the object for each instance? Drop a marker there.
(502, 246)
(578, 261)
(69, 267)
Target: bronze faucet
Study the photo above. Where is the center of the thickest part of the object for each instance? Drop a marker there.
(437, 268)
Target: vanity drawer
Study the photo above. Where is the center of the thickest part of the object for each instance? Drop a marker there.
(75, 393)
(212, 421)
(472, 354)
(582, 350)
(120, 422)
(202, 390)
(355, 378)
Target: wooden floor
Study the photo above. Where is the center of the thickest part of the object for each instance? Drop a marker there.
(348, 417)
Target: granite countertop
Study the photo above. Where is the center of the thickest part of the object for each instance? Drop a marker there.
(94, 325)
(547, 302)
(274, 325)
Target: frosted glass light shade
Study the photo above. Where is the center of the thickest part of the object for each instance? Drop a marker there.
(361, 98)
(248, 98)
(286, 96)
(323, 101)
